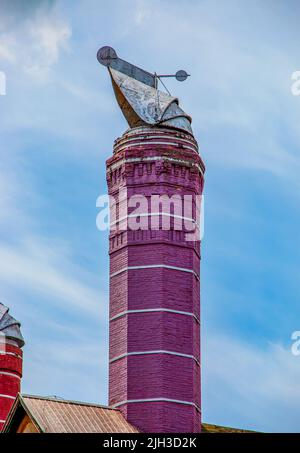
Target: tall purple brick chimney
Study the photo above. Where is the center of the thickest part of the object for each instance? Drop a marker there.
(154, 340)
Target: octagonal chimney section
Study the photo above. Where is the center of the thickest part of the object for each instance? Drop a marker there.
(154, 369)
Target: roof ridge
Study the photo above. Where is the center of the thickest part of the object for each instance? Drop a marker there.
(62, 400)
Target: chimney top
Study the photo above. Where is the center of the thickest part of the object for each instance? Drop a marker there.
(10, 328)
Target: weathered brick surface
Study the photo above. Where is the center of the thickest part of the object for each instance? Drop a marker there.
(10, 374)
(118, 381)
(10, 362)
(156, 253)
(9, 385)
(163, 417)
(170, 169)
(154, 288)
(5, 406)
(172, 332)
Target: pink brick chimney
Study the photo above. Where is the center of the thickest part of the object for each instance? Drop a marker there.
(154, 369)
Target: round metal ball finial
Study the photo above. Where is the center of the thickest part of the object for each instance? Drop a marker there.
(181, 75)
(106, 54)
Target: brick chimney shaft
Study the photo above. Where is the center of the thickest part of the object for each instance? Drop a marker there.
(154, 370)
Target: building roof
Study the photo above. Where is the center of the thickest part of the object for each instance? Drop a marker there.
(56, 415)
(208, 428)
(53, 415)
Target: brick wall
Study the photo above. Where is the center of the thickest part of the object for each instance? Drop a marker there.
(10, 378)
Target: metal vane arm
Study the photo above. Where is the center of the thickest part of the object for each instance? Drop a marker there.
(108, 57)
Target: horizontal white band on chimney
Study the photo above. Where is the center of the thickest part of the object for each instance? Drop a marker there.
(2, 421)
(179, 354)
(153, 310)
(150, 400)
(7, 396)
(6, 373)
(137, 139)
(145, 142)
(10, 353)
(153, 214)
(153, 266)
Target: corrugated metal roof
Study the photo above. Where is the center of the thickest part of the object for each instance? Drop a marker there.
(52, 415)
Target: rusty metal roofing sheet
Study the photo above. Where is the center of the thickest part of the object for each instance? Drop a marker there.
(54, 415)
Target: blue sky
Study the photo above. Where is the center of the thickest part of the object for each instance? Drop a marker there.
(58, 121)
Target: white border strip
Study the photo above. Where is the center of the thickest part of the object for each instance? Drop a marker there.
(152, 142)
(154, 266)
(151, 310)
(10, 374)
(150, 400)
(7, 396)
(152, 214)
(11, 353)
(179, 354)
(150, 136)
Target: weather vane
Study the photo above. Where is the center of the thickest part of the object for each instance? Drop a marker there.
(108, 57)
(138, 96)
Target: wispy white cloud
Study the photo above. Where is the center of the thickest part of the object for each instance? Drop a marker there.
(75, 355)
(249, 386)
(46, 270)
(59, 302)
(43, 265)
(48, 38)
(7, 45)
(46, 84)
(35, 43)
(142, 12)
(234, 87)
